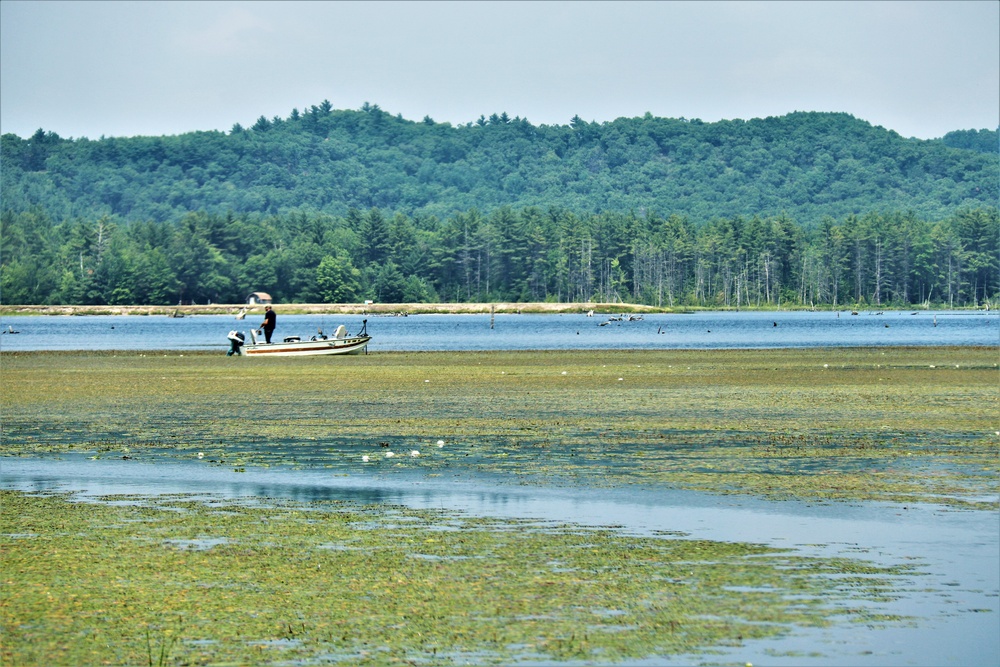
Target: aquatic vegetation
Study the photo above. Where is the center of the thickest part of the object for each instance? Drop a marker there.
(167, 580)
(903, 425)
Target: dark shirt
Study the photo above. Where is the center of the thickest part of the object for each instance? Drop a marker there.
(269, 319)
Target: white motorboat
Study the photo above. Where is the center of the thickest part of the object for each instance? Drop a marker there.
(293, 346)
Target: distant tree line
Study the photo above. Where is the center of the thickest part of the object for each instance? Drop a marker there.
(879, 259)
(810, 166)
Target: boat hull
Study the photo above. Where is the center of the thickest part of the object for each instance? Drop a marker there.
(309, 348)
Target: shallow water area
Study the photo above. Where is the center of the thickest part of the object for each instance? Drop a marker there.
(955, 601)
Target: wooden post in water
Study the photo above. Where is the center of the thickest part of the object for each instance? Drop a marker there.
(492, 314)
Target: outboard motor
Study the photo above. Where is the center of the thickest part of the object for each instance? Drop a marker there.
(236, 340)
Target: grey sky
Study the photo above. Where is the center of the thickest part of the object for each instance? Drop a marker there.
(127, 68)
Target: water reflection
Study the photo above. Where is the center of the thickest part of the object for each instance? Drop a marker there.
(633, 509)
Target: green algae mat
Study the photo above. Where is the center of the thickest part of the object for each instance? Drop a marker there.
(167, 580)
(903, 425)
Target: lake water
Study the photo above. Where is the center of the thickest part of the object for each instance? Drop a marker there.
(704, 330)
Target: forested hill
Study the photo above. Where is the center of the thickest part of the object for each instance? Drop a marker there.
(322, 160)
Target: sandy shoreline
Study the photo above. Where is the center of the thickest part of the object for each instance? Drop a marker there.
(408, 309)
(336, 308)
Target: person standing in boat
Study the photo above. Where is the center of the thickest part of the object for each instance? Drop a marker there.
(270, 319)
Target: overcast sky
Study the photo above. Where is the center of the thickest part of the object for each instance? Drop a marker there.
(153, 68)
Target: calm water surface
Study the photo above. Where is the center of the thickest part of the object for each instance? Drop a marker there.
(708, 330)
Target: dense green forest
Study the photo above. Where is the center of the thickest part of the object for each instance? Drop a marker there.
(528, 254)
(806, 165)
(339, 206)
